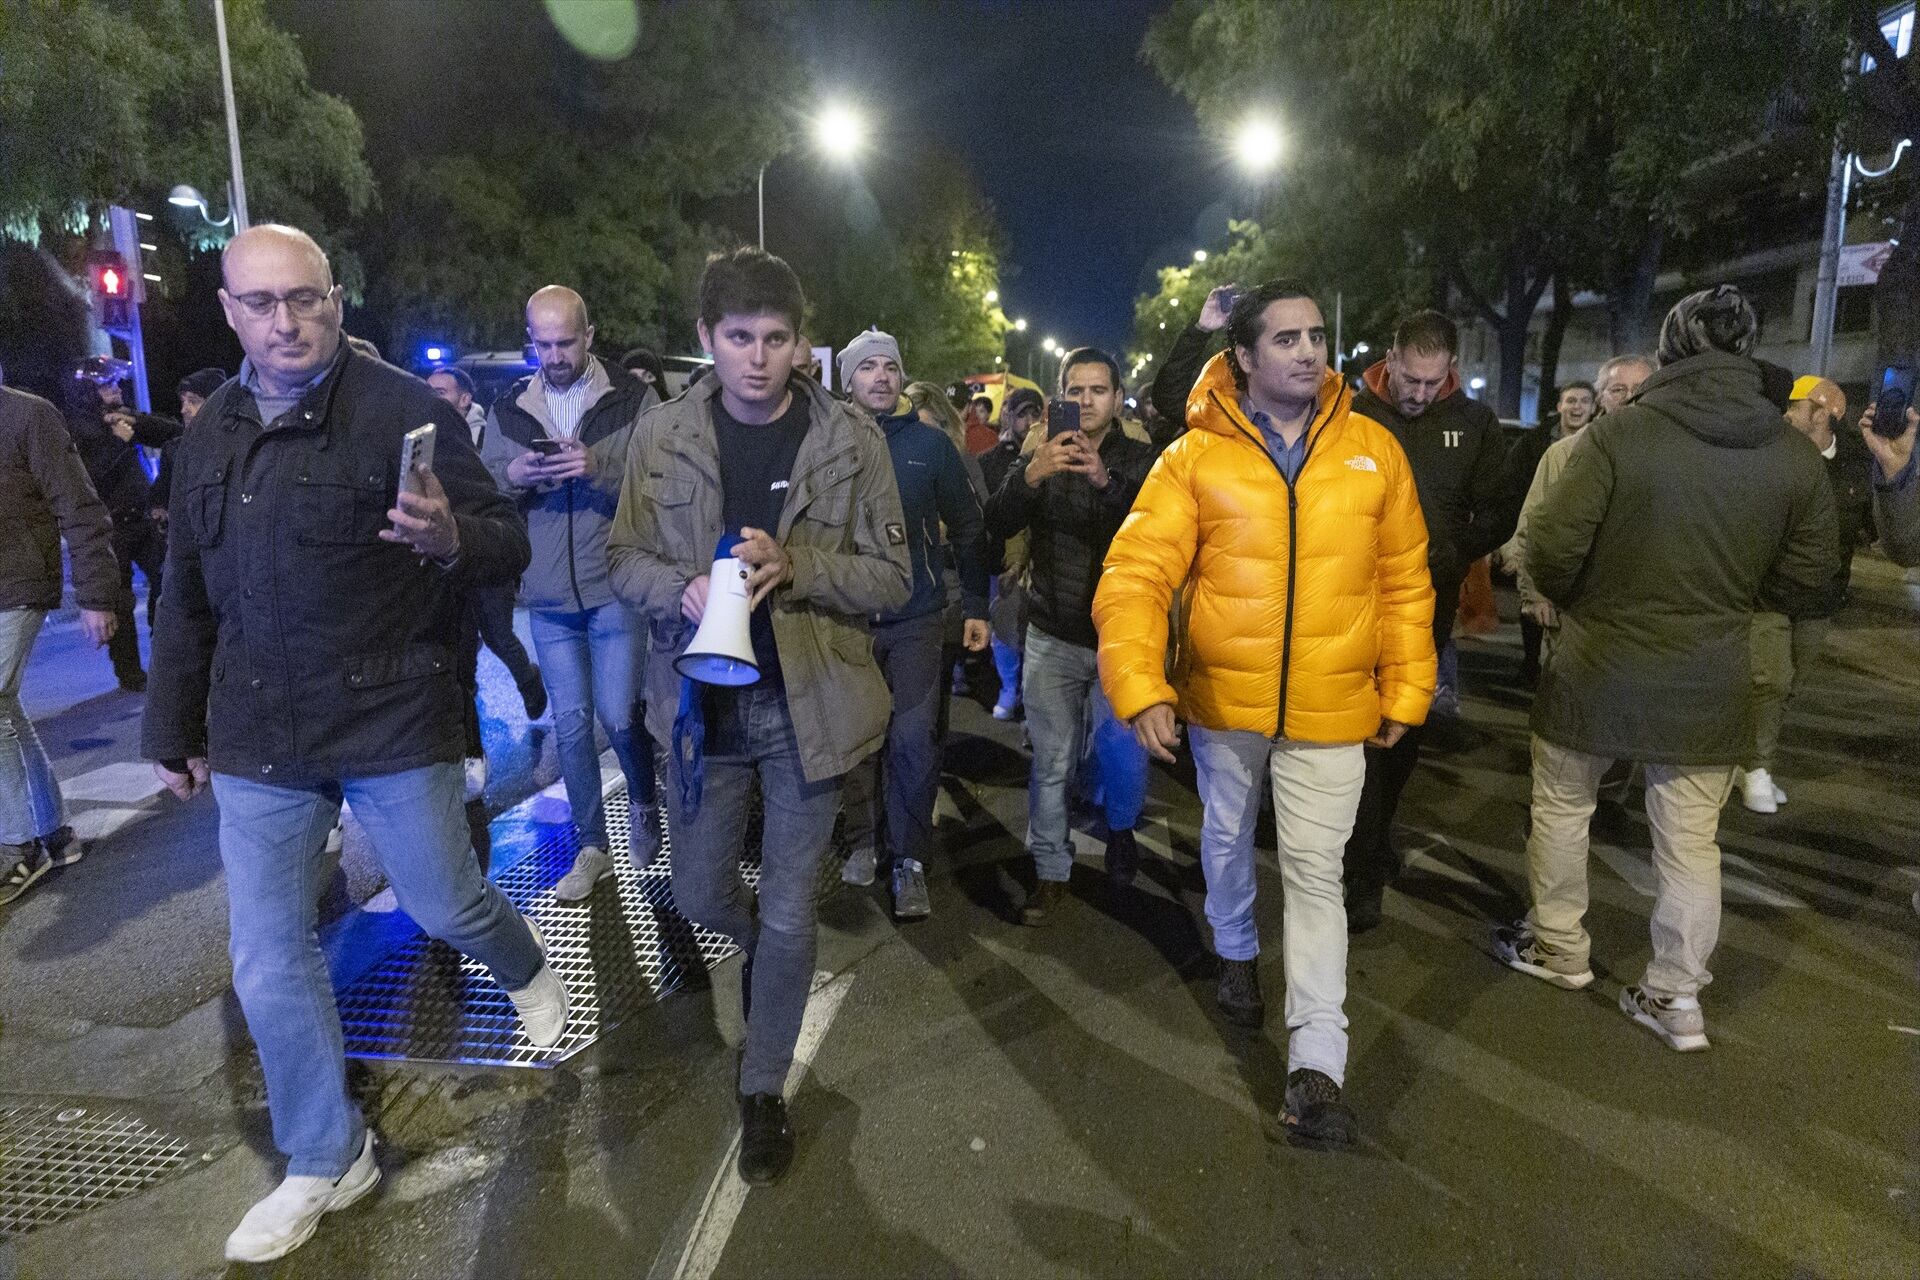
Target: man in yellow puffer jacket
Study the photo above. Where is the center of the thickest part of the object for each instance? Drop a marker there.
(1290, 528)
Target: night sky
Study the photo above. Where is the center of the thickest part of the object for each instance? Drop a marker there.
(1097, 172)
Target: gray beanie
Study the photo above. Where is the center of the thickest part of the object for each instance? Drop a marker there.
(1716, 319)
(872, 342)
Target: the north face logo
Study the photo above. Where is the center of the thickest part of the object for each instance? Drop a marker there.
(1361, 462)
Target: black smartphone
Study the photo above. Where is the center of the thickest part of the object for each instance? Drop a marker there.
(1228, 298)
(1890, 406)
(546, 448)
(1062, 416)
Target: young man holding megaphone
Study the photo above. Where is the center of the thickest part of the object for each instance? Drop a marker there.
(756, 471)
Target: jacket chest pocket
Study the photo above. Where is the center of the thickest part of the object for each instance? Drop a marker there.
(206, 508)
(676, 514)
(829, 503)
(340, 510)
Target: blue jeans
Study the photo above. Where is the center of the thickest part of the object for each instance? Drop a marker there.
(30, 801)
(591, 663)
(1006, 661)
(270, 843)
(1060, 686)
(903, 777)
(754, 737)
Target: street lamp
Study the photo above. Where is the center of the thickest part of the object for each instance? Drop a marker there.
(839, 131)
(189, 197)
(1048, 345)
(237, 187)
(1361, 348)
(1020, 325)
(993, 296)
(1257, 146)
(1199, 255)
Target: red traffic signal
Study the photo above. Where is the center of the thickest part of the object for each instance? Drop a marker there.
(110, 276)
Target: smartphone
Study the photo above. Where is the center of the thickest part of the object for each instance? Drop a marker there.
(1062, 416)
(1890, 406)
(416, 454)
(1228, 298)
(546, 448)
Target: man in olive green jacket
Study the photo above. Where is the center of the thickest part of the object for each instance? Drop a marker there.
(759, 453)
(1675, 521)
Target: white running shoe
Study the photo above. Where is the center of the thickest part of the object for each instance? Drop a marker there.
(590, 866)
(1757, 792)
(286, 1219)
(1678, 1019)
(1516, 947)
(476, 771)
(542, 1003)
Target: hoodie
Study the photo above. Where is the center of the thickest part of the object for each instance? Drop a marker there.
(1675, 520)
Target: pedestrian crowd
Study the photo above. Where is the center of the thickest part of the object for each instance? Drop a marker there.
(1268, 566)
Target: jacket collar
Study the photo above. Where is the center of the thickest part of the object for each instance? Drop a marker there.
(825, 454)
(1214, 404)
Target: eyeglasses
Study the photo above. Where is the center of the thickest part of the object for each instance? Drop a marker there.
(302, 304)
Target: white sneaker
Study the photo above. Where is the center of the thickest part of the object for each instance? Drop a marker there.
(1757, 792)
(286, 1219)
(476, 770)
(337, 838)
(1678, 1019)
(590, 866)
(1779, 796)
(542, 1003)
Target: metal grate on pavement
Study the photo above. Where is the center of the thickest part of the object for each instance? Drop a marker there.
(57, 1161)
(618, 951)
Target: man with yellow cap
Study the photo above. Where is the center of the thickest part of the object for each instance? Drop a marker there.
(1783, 648)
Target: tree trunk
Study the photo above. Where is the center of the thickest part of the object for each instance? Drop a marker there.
(1523, 296)
(1551, 340)
(1630, 321)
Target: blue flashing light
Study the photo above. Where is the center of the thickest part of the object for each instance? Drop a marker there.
(435, 355)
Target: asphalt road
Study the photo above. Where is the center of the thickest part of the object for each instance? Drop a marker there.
(990, 1100)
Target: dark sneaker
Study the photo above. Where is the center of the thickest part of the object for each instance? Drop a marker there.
(1364, 911)
(643, 842)
(1516, 947)
(533, 694)
(1239, 993)
(910, 899)
(766, 1139)
(134, 681)
(1123, 858)
(1047, 897)
(1676, 1019)
(63, 847)
(1313, 1115)
(21, 866)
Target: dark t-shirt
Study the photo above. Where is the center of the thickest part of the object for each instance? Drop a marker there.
(756, 462)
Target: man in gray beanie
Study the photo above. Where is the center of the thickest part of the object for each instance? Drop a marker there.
(1677, 518)
(934, 491)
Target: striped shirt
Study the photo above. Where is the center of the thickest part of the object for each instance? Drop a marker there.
(565, 408)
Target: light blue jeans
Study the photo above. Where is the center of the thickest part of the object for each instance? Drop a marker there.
(591, 663)
(30, 801)
(1316, 792)
(270, 843)
(1006, 660)
(1061, 686)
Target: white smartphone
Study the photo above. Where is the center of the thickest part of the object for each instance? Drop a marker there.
(416, 454)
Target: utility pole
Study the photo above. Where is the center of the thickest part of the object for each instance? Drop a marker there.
(239, 190)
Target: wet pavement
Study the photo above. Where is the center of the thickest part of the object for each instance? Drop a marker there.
(990, 1100)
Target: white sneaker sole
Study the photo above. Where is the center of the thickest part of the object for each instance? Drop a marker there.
(344, 1195)
(1679, 1043)
(1565, 981)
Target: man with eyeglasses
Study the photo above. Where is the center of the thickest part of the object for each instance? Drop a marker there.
(309, 656)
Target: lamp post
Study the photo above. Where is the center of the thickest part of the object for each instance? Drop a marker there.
(189, 197)
(237, 189)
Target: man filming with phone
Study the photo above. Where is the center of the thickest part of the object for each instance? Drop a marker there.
(1071, 494)
(313, 603)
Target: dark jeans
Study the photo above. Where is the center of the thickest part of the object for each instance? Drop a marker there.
(1530, 633)
(753, 737)
(490, 622)
(1372, 862)
(136, 541)
(906, 772)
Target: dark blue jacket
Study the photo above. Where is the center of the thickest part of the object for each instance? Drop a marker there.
(934, 488)
(296, 646)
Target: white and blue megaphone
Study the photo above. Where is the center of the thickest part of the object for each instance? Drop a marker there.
(722, 649)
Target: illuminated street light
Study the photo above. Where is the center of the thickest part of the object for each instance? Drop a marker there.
(1048, 345)
(1257, 146)
(993, 296)
(1199, 255)
(840, 132)
(1478, 383)
(1361, 348)
(1021, 324)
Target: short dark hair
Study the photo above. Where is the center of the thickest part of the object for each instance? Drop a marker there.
(648, 359)
(1578, 384)
(1089, 355)
(747, 282)
(461, 378)
(1428, 332)
(1243, 322)
(982, 398)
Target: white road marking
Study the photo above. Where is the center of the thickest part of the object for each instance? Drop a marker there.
(109, 798)
(727, 1194)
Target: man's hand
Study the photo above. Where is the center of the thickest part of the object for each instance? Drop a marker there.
(1892, 455)
(1391, 731)
(1050, 459)
(185, 786)
(1542, 612)
(98, 626)
(1213, 313)
(120, 422)
(1157, 730)
(572, 462)
(528, 471)
(424, 520)
(693, 601)
(975, 635)
(768, 561)
(1085, 460)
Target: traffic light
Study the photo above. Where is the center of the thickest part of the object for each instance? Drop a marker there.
(112, 288)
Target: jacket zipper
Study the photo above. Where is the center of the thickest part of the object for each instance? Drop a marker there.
(1293, 552)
